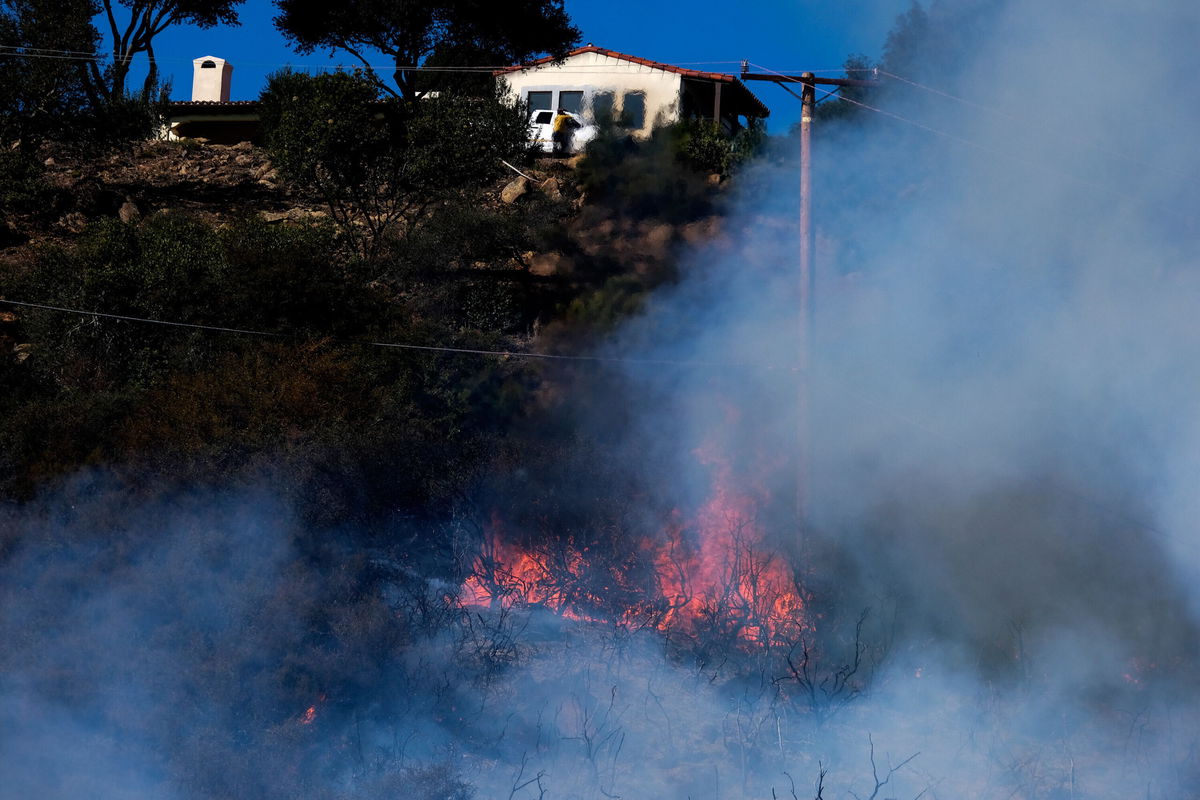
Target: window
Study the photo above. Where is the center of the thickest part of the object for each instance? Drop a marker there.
(633, 110)
(602, 107)
(209, 65)
(543, 118)
(540, 101)
(571, 101)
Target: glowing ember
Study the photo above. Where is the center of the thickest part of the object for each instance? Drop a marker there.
(310, 713)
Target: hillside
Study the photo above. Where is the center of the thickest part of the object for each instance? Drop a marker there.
(206, 234)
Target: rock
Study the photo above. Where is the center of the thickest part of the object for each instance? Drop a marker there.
(264, 171)
(714, 179)
(701, 231)
(49, 162)
(575, 160)
(515, 190)
(129, 212)
(551, 189)
(549, 264)
(243, 160)
(74, 222)
(22, 351)
(659, 236)
(292, 215)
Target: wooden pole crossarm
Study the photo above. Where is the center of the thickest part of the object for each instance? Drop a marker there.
(759, 76)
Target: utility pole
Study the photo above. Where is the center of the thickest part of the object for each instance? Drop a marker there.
(808, 86)
(808, 102)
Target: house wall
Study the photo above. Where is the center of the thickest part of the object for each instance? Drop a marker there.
(229, 129)
(594, 72)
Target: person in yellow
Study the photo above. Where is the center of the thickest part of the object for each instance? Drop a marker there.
(564, 128)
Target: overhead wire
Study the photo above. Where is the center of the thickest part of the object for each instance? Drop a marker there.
(1013, 118)
(1078, 495)
(977, 145)
(380, 344)
(80, 55)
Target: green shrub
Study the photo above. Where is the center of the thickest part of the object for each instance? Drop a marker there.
(22, 187)
(378, 164)
(665, 176)
(644, 179)
(705, 146)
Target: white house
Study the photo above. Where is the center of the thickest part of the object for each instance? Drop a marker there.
(636, 92)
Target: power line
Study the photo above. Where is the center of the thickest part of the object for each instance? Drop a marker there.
(1013, 118)
(978, 146)
(20, 51)
(810, 86)
(385, 345)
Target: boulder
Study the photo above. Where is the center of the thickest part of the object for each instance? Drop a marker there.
(550, 187)
(129, 212)
(515, 190)
(546, 264)
(73, 222)
(292, 215)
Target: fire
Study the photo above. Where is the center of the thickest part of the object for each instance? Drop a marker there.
(310, 714)
(712, 572)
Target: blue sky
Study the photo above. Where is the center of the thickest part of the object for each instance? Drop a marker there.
(783, 35)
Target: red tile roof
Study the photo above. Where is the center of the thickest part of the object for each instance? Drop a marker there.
(719, 77)
(691, 73)
(185, 104)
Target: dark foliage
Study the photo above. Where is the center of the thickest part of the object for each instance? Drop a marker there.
(145, 21)
(706, 147)
(345, 419)
(442, 32)
(55, 99)
(643, 179)
(377, 164)
(43, 98)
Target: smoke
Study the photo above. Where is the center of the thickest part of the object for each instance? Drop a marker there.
(1002, 391)
(1002, 450)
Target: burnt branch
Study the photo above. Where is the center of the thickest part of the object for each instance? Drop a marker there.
(881, 782)
(827, 691)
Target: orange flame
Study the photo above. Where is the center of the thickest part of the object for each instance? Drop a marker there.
(715, 571)
(310, 713)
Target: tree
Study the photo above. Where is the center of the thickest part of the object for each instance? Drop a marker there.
(412, 32)
(39, 96)
(846, 102)
(147, 19)
(377, 164)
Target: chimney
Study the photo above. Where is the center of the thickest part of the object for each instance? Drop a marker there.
(210, 79)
